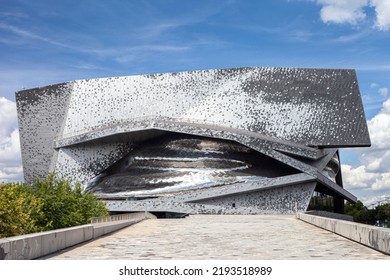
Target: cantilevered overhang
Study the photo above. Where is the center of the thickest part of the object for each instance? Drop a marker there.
(311, 107)
(142, 128)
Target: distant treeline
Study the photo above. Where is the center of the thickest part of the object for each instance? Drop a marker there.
(361, 214)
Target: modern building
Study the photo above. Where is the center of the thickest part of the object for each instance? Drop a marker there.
(229, 141)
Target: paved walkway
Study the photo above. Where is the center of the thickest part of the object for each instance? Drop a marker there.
(222, 237)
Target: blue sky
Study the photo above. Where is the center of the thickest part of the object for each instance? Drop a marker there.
(46, 42)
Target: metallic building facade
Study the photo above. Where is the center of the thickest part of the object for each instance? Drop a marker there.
(229, 141)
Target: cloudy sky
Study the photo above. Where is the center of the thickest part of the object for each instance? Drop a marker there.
(46, 42)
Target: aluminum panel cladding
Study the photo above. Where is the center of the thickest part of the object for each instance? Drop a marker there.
(316, 107)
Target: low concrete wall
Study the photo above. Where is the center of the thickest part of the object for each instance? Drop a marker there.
(330, 215)
(374, 237)
(123, 217)
(32, 246)
(108, 224)
(106, 228)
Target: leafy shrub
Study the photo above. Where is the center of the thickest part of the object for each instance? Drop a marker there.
(19, 209)
(45, 205)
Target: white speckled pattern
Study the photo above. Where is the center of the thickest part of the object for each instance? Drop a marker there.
(80, 128)
(307, 106)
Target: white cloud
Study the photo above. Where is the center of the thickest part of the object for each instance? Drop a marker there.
(365, 179)
(343, 11)
(373, 200)
(382, 9)
(377, 161)
(8, 117)
(30, 35)
(356, 178)
(10, 157)
(379, 128)
(383, 182)
(383, 91)
(373, 85)
(11, 174)
(10, 148)
(353, 11)
(373, 175)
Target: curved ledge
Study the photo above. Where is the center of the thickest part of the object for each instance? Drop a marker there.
(190, 127)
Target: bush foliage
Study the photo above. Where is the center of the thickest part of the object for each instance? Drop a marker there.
(45, 205)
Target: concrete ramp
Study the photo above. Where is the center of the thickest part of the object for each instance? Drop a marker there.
(273, 237)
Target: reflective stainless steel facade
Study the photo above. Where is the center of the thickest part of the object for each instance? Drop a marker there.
(242, 140)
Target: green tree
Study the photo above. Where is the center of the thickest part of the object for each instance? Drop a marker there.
(359, 212)
(19, 210)
(65, 205)
(47, 204)
(383, 211)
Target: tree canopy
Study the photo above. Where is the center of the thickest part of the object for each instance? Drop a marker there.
(362, 214)
(47, 204)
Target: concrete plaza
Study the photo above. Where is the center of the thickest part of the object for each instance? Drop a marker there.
(272, 237)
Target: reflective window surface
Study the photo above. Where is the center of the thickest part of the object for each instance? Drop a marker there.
(174, 163)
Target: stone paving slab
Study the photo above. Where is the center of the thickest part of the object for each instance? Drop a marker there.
(273, 237)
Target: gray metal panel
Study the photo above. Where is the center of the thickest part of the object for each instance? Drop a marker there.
(317, 107)
(276, 111)
(41, 113)
(281, 200)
